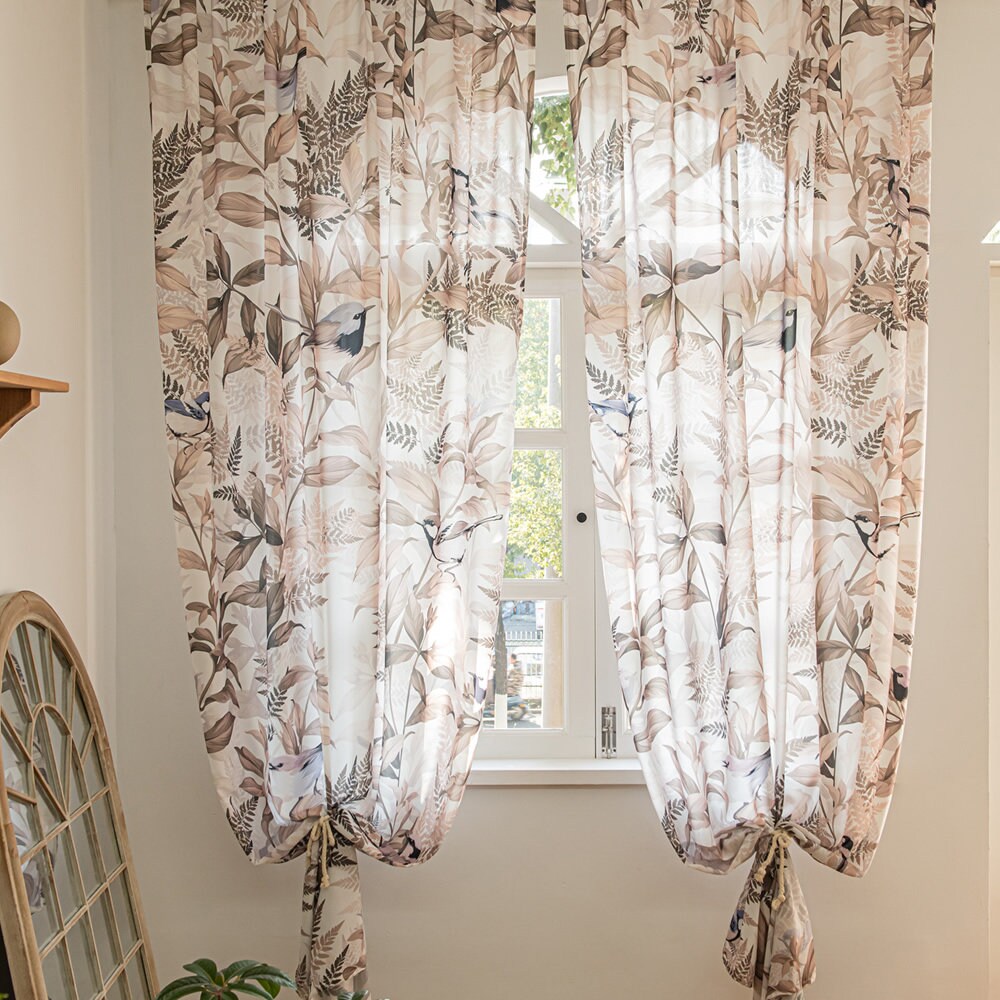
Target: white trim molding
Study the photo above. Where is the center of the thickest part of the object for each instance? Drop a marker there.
(554, 772)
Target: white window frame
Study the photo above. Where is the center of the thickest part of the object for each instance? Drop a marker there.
(572, 755)
(575, 587)
(590, 670)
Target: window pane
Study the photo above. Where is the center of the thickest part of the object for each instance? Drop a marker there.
(106, 835)
(539, 381)
(128, 931)
(529, 668)
(118, 990)
(85, 841)
(534, 542)
(12, 701)
(83, 960)
(69, 886)
(106, 937)
(55, 968)
(553, 163)
(41, 899)
(138, 978)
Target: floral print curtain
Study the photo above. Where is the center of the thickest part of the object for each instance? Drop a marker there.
(340, 217)
(754, 204)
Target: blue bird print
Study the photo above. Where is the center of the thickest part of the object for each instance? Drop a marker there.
(342, 327)
(736, 926)
(616, 414)
(187, 418)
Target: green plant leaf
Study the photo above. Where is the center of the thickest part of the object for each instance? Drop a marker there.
(207, 968)
(270, 972)
(254, 991)
(241, 969)
(185, 987)
(246, 976)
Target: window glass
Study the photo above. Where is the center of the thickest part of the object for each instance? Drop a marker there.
(535, 538)
(539, 363)
(529, 668)
(553, 164)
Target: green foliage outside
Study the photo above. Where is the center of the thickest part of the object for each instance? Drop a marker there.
(534, 542)
(552, 137)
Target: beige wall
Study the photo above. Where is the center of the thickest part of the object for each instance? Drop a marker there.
(575, 893)
(55, 513)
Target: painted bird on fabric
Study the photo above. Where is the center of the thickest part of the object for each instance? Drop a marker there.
(846, 850)
(307, 766)
(186, 418)
(292, 779)
(899, 195)
(778, 328)
(448, 543)
(869, 532)
(900, 683)
(288, 85)
(789, 326)
(516, 11)
(463, 202)
(723, 77)
(342, 327)
(617, 414)
(746, 777)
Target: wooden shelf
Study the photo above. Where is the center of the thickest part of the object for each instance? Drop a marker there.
(20, 394)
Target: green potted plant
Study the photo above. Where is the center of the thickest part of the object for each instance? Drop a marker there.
(246, 977)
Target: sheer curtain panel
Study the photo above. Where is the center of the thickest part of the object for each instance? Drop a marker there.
(340, 218)
(753, 180)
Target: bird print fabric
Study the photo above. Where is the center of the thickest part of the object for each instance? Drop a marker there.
(753, 180)
(340, 217)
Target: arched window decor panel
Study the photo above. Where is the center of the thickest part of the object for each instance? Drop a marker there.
(69, 907)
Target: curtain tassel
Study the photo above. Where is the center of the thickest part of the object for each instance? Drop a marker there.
(322, 833)
(781, 841)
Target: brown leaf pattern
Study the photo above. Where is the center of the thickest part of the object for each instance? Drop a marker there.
(754, 180)
(340, 217)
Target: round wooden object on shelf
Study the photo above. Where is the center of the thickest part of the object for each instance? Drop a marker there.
(10, 333)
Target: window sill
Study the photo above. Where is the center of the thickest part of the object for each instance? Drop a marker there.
(553, 772)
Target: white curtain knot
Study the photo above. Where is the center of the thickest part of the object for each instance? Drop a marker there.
(322, 833)
(781, 840)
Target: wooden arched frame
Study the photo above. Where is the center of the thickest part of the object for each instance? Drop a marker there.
(72, 922)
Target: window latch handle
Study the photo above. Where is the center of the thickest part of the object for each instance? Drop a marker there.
(609, 731)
